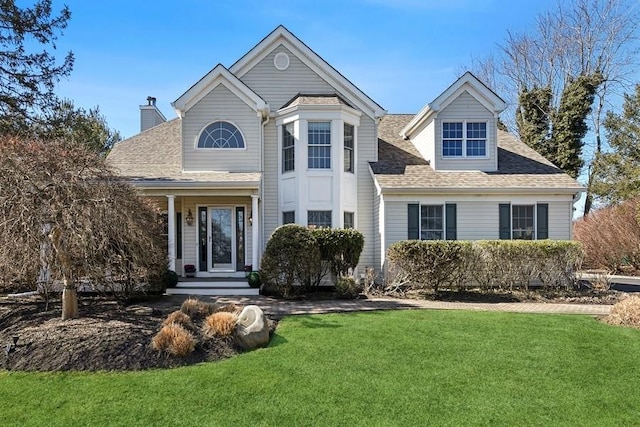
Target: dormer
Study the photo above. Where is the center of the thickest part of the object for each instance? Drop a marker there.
(458, 129)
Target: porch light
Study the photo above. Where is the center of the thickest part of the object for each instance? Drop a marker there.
(250, 218)
(189, 218)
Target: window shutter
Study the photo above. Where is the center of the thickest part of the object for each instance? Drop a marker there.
(451, 222)
(413, 231)
(505, 221)
(543, 221)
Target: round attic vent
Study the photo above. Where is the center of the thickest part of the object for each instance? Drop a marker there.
(281, 61)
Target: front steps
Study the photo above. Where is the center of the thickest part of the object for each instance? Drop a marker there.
(228, 286)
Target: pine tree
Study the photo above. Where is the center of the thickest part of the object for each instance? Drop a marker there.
(617, 172)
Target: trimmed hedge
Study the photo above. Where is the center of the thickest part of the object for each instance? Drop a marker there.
(488, 264)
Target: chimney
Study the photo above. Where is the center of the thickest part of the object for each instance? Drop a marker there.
(150, 116)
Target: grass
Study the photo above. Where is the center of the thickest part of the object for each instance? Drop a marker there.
(385, 368)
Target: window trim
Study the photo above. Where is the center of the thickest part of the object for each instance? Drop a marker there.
(465, 139)
(329, 146)
(292, 212)
(534, 231)
(344, 219)
(244, 140)
(539, 226)
(444, 219)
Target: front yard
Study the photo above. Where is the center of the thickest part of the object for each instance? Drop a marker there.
(384, 368)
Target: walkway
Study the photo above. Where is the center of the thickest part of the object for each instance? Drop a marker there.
(279, 308)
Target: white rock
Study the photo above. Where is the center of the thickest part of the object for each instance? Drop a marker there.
(252, 330)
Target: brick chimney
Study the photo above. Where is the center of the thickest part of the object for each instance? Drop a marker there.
(150, 116)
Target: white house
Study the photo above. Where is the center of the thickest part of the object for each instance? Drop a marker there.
(281, 136)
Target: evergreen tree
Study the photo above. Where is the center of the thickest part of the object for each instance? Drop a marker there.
(617, 173)
(28, 68)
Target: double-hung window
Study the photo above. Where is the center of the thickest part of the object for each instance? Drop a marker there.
(348, 147)
(288, 148)
(524, 222)
(431, 222)
(319, 218)
(319, 145)
(464, 139)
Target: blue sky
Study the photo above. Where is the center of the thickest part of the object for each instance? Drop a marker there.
(401, 53)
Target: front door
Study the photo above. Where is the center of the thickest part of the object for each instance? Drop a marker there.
(222, 240)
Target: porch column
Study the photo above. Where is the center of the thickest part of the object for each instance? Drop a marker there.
(255, 231)
(171, 222)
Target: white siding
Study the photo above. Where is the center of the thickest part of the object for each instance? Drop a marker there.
(466, 107)
(366, 151)
(560, 218)
(477, 220)
(395, 214)
(221, 104)
(278, 87)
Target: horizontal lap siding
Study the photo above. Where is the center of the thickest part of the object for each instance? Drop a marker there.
(221, 104)
(560, 217)
(466, 107)
(270, 181)
(278, 87)
(395, 214)
(366, 151)
(477, 220)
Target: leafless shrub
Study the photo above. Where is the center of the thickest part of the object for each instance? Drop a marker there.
(175, 340)
(611, 237)
(625, 312)
(219, 324)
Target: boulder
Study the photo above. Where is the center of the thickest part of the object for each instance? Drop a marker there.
(252, 330)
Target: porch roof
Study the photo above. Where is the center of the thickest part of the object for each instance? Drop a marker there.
(153, 159)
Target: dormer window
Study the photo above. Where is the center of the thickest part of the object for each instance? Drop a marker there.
(221, 134)
(464, 139)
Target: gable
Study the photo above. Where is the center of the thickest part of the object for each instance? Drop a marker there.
(295, 48)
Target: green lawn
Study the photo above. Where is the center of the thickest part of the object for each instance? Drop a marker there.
(385, 368)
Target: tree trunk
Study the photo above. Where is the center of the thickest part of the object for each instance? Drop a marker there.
(69, 292)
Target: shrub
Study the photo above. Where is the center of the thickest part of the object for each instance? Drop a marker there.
(170, 279)
(625, 312)
(181, 319)
(611, 237)
(291, 259)
(348, 288)
(340, 247)
(175, 340)
(221, 324)
(193, 307)
(428, 264)
(503, 264)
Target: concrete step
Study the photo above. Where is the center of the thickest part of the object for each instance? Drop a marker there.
(214, 284)
(213, 290)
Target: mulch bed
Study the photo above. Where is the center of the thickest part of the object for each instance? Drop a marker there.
(108, 337)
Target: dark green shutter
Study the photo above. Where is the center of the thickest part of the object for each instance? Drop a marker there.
(451, 221)
(413, 231)
(505, 221)
(543, 221)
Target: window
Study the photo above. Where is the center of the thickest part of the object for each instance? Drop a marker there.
(288, 148)
(221, 135)
(464, 139)
(319, 218)
(348, 220)
(451, 139)
(522, 221)
(319, 140)
(288, 217)
(348, 148)
(431, 222)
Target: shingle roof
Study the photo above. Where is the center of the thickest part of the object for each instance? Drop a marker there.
(156, 155)
(400, 166)
(316, 99)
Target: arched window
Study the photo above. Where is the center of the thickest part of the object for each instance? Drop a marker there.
(221, 135)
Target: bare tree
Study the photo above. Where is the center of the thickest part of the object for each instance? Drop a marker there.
(576, 38)
(63, 209)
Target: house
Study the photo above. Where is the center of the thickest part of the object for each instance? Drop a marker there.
(282, 137)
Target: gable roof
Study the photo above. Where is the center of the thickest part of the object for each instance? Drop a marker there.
(401, 168)
(219, 75)
(154, 158)
(282, 36)
(466, 83)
